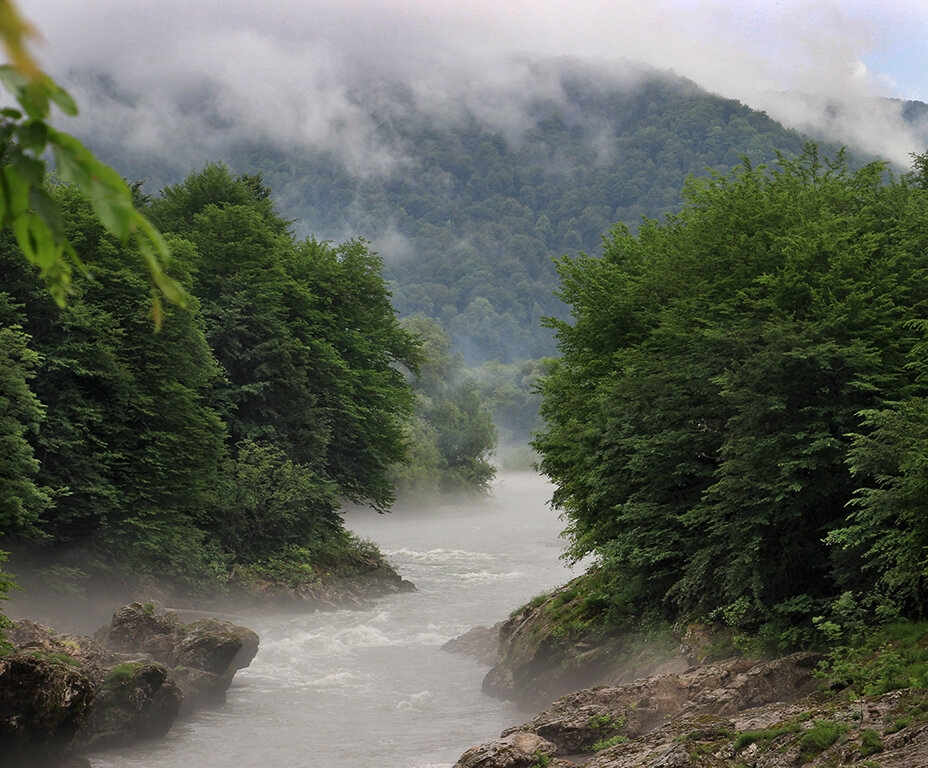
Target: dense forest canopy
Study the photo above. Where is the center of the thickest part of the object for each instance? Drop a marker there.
(737, 423)
(232, 435)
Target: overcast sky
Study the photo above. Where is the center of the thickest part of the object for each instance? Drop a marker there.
(285, 68)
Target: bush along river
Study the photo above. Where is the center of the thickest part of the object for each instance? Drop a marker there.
(372, 687)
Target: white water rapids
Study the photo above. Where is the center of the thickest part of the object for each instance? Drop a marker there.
(371, 688)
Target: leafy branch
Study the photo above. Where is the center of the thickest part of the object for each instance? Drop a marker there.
(25, 204)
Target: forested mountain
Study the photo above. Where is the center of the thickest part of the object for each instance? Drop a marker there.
(469, 209)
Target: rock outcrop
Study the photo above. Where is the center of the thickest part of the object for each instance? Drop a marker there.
(540, 657)
(204, 655)
(481, 643)
(65, 694)
(735, 713)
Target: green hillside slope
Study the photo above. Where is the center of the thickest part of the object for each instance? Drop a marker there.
(469, 210)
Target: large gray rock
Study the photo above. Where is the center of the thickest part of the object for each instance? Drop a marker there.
(514, 750)
(542, 656)
(44, 703)
(61, 694)
(204, 655)
(138, 700)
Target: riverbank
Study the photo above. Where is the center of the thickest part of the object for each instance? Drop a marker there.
(686, 697)
(76, 591)
(736, 713)
(371, 686)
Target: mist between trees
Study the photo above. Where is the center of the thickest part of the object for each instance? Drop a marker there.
(233, 436)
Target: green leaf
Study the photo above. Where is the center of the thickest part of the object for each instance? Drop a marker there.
(38, 243)
(70, 159)
(62, 99)
(32, 171)
(34, 99)
(33, 135)
(15, 192)
(114, 210)
(12, 79)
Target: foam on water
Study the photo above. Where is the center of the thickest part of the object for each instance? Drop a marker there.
(488, 577)
(418, 701)
(438, 556)
(367, 688)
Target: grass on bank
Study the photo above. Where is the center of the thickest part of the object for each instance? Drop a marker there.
(294, 566)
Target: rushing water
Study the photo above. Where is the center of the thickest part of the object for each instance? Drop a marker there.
(372, 688)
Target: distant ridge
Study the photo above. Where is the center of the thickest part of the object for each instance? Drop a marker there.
(469, 203)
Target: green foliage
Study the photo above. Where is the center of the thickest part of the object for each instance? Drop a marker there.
(542, 759)
(818, 738)
(230, 437)
(6, 586)
(870, 743)
(121, 674)
(888, 659)
(701, 420)
(606, 727)
(452, 432)
(887, 531)
(747, 738)
(610, 742)
(339, 555)
(272, 503)
(22, 501)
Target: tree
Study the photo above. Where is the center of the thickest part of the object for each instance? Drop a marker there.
(452, 432)
(22, 500)
(699, 421)
(129, 444)
(305, 334)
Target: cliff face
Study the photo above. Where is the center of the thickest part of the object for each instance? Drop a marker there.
(65, 694)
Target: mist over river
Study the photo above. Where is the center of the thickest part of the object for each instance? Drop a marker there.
(372, 688)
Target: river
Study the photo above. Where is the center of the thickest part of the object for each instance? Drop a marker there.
(372, 688)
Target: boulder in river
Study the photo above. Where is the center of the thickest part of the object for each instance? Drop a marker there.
(204, 655)
(64, 694)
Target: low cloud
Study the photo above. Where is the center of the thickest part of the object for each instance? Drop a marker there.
(186, 81)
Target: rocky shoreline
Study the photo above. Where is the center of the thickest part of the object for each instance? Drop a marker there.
(737, 714)
(355, 591)
(64, 695)
(674, 709)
